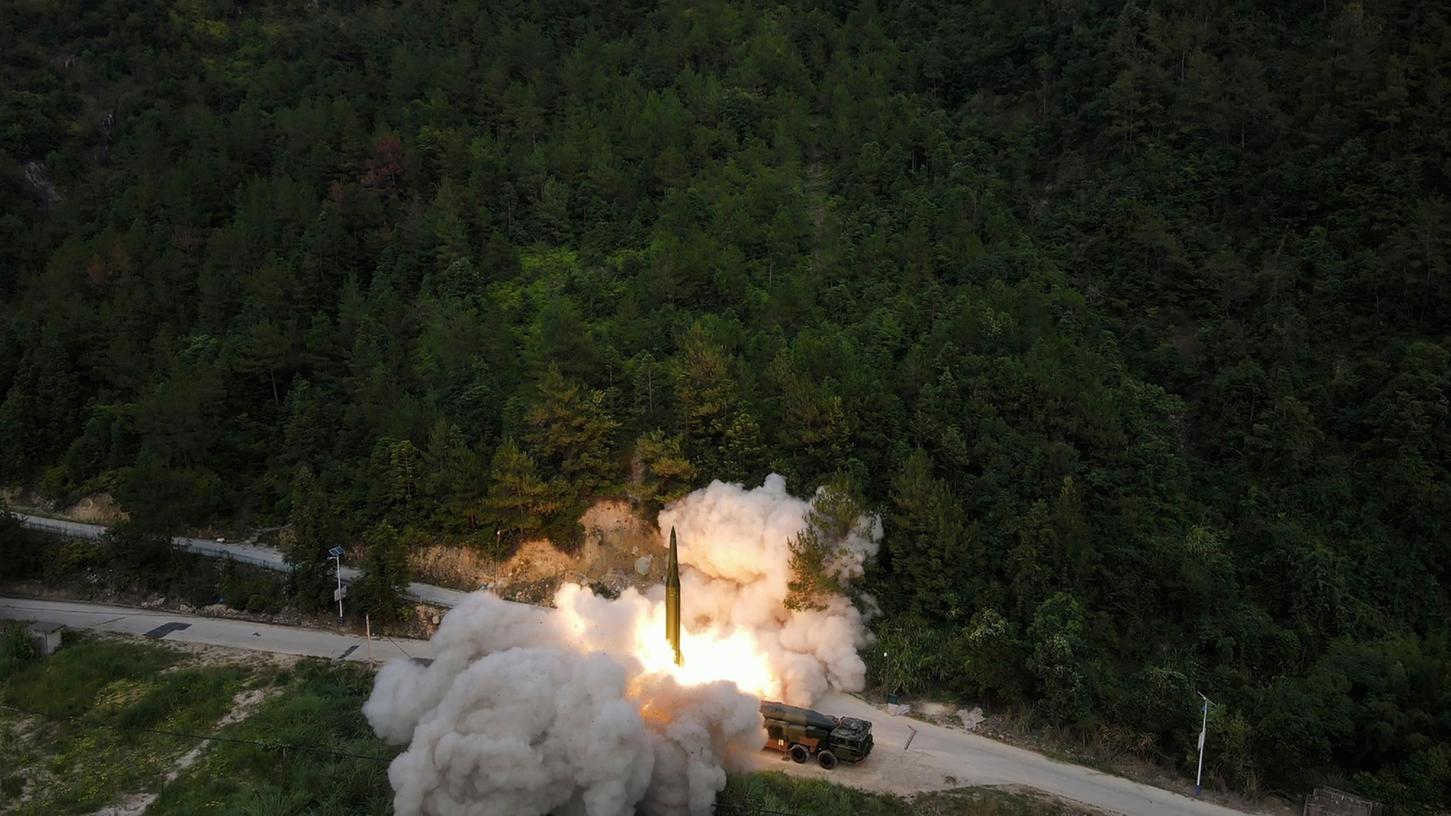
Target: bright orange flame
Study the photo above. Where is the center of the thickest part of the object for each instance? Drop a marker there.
(711, 654)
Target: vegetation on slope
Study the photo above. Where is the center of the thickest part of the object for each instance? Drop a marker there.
(775, 793)
(86, 733)
(87, 739)
(1131, 319)
(55, 764)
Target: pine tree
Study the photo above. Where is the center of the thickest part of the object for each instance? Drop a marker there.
(397, 482)
(312, 531)
(821, 559)
(662, 473)
(452, 477)
(721, 436)
(571, 430)
(925, 533)
(381, 590)
(1058, 647)
(519, 502)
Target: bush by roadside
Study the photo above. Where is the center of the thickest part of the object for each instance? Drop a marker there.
(17, 650)
(130, 562)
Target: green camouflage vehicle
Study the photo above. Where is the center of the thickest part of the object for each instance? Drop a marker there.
(801, 733)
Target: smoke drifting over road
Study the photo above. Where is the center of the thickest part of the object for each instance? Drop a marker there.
(581, 709)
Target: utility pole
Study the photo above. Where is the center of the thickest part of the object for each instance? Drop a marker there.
(1203, 729)
(337, 556)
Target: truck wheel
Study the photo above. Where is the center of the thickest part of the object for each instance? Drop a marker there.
(799, 754)
(827, 759)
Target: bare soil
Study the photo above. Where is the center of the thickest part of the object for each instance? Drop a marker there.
(20, 732)
(98, 508)
(616, 544)
(452, 565)
(243, 704)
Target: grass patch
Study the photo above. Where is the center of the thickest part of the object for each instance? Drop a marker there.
(991, 802)
(320, 705)
(78, 767)
(97, 694)
(747, 794)
(109, 685)
(17, 650)
(74, 679)
(774, 791)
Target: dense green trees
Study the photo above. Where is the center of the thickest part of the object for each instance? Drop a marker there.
(19, 557)
(382, 588)
(312, 531)
(1131, 320)
(138, 549)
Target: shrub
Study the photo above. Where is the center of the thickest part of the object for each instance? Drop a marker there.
(72, 556)
(907, 657)
(252, 589)
(380, 590)
(20, 554)
(196, 579)
(17, 650)
(137, 549)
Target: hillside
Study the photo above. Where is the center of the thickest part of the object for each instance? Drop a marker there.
(1130, 319)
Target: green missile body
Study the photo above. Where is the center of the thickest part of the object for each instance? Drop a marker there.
(672, 600)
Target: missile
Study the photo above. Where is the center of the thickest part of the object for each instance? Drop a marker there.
(672, 600)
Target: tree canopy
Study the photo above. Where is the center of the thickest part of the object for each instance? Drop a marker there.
(1130, 319)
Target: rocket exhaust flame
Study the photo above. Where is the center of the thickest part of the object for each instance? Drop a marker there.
(585, 709)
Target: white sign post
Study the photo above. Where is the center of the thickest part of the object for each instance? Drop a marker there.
(1203, 729)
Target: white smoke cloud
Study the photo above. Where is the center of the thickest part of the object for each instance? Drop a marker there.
(581, 710)
(522, 713)
(736, 558)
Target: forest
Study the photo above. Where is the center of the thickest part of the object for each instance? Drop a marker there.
(1132, 320)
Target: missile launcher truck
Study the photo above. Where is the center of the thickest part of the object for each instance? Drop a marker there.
(801, 733)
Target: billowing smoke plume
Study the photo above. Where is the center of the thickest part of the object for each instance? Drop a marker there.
(736, 543)
(581, 710)
(516, 716)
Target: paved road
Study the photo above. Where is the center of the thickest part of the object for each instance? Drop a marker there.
(940, 758)
(250, 553)
(227, 632)
(910, 756)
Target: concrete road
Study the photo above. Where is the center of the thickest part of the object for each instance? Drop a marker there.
(226, 632)
(909, 756)
(249, 553)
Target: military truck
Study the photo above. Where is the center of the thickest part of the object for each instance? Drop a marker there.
(801, 733)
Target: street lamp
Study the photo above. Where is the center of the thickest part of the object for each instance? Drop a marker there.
(1203, 729)
(337, 556)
